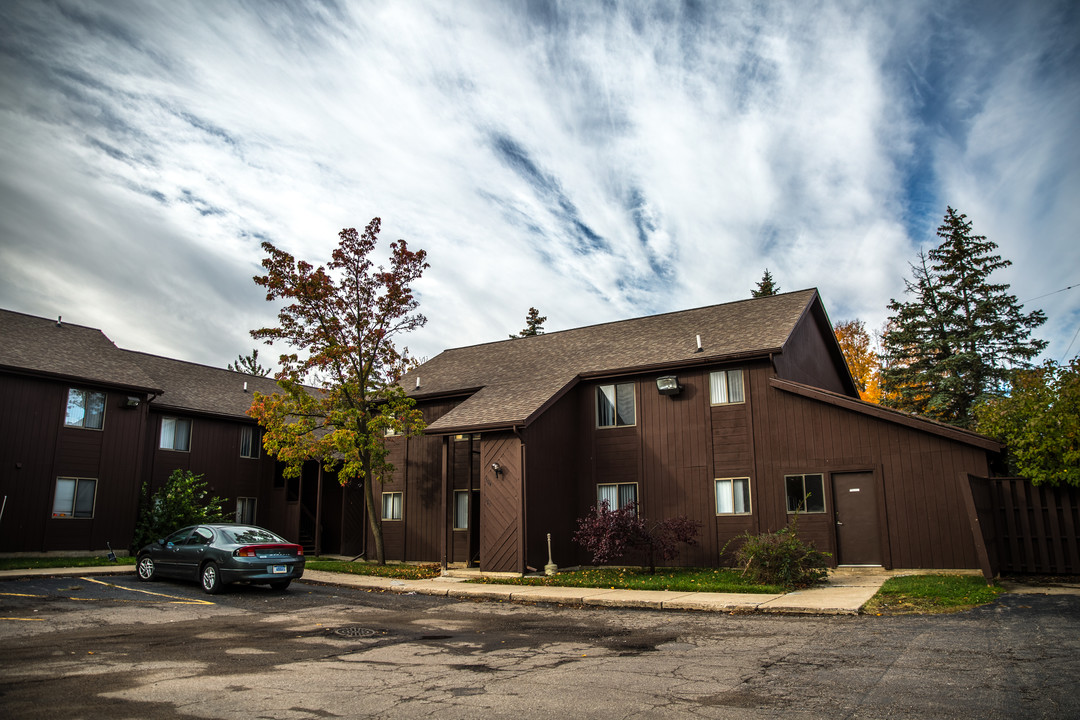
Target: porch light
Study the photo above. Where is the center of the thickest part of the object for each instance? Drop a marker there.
(668, 385)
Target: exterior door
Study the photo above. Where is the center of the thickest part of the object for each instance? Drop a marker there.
(858, 531)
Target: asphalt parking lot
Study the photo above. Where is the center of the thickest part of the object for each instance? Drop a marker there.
(112, 647)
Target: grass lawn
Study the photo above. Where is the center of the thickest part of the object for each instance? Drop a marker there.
(921, 594)
(396, 571)
(21, 563)
(680, 579)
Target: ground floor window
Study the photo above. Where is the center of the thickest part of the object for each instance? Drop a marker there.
(461, 509)
(74, 498)
(391, 505)
(733, 496)
(616, 495)
(805, 493)
(245, 510)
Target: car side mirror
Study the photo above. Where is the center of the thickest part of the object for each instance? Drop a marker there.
(161, 541)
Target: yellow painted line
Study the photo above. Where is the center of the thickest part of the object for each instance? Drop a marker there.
(25, 619)
(22, 595)
(175, 598)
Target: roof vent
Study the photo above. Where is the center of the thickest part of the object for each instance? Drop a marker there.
(58, 319)
(698, 344)
(245, 386)
(417, 382)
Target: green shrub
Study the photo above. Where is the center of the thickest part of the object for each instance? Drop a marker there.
(781, 558)
(181, 501)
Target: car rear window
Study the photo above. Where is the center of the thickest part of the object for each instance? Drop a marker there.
(242, 536)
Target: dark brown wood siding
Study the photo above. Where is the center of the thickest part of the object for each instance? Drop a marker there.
(418, 476)
(215, 454)
(917, 475)
(810, 356)
(552, 461)
(37, 449)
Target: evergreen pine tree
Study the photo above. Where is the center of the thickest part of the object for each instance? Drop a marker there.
(766, 287)
(956, 341)
(534, 324)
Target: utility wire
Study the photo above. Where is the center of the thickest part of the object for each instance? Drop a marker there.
(1025, 302)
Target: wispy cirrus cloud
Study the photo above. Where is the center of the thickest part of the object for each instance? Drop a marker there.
(595, 161)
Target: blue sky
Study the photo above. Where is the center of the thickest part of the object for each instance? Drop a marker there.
(596, 160)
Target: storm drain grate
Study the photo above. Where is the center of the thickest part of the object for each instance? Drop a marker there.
(355, 631)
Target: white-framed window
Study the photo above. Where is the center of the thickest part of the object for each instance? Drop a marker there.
(615, 405)
(726, 387)
(733, 496)
(617, 495)
(74, 497)
(250, 440)
(805, 493)
(85, 409)
(391, 505)
(245, 510)
(461, 509)
(175, 434)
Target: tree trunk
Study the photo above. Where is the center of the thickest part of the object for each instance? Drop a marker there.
(374, 514)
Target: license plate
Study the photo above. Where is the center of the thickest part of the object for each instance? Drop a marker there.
(278, 569)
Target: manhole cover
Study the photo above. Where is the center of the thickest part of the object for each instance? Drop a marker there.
(354, 631)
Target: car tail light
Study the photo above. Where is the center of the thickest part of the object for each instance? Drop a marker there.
(245, 552)
(299, 551)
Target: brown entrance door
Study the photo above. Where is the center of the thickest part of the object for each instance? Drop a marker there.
(858, 534)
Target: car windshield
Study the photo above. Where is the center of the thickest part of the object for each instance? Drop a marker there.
(241, 536)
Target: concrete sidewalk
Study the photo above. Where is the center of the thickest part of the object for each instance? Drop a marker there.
(845, 592)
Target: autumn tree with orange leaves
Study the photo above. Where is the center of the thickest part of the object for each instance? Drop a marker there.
(862, 360)
(342, 320)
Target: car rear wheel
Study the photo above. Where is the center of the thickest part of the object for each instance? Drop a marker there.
(280, 584)
(146, 568)
(211, 580)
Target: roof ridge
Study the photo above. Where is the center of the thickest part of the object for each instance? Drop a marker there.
(634, 319)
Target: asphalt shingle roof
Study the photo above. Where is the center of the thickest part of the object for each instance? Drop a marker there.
(48, 347)
(514, 378)
(201, 388)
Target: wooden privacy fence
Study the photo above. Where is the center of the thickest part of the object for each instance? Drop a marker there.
(1022, 528)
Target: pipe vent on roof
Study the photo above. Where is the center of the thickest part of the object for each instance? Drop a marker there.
(245, 386)
(699, 348)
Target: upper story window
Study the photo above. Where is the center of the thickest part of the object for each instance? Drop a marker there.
(249, 441)
(726, 387)
(85, 409)
(615, 405)
(175, 434)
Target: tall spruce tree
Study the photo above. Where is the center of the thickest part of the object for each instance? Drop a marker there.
(957, 339)
(766, 287)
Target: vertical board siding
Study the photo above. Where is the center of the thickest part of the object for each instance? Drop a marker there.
(923, 503)
(552, 454)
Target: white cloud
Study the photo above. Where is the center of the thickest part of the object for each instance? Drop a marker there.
(594, 162)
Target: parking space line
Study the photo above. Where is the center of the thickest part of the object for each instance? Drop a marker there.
(24, 619)
(177, 600)
(22, 595)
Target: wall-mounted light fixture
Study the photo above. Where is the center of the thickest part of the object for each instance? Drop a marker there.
(132, 401)
(497, 468)
(668, 385)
